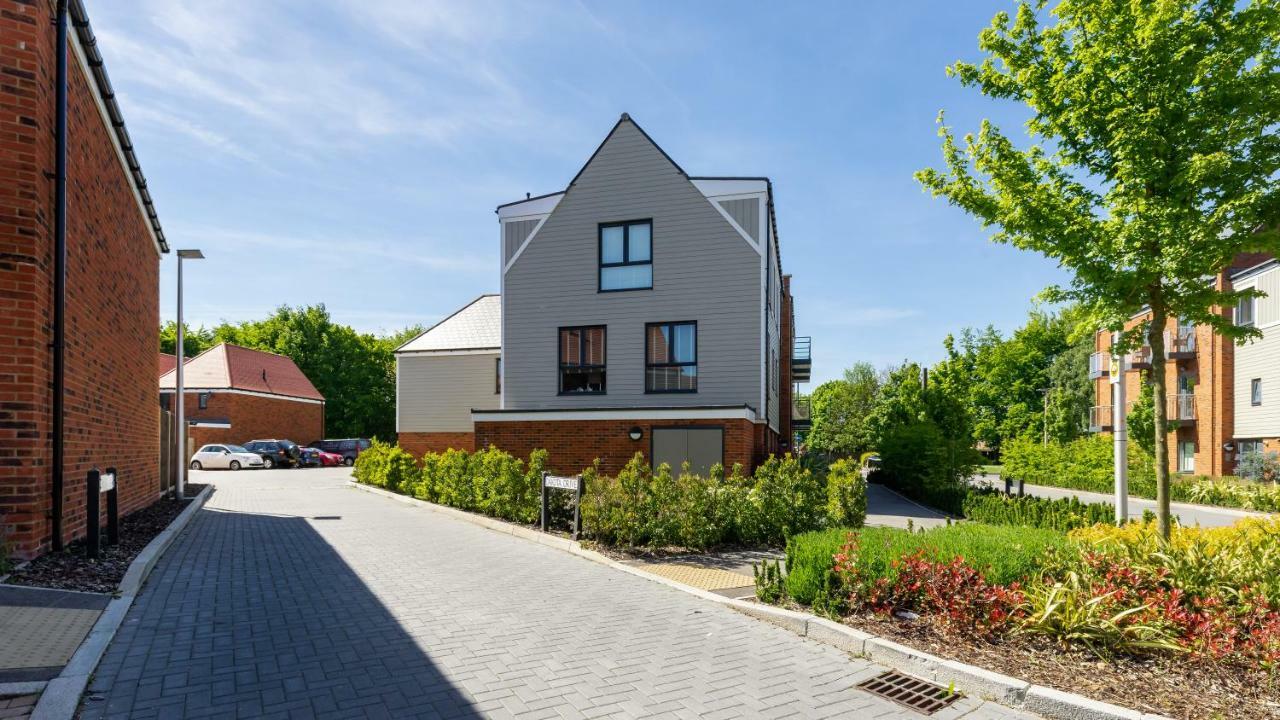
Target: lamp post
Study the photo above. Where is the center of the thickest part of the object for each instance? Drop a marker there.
(1119, 432)
(178, 389)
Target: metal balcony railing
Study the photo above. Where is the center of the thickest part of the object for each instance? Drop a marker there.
(1182, 407)
(1100, 418)
(801, 359)
(801, 412)
(1140, 359)
(1099, 365)
(1180, 343)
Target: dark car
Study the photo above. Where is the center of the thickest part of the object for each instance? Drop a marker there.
(276, 453)
(348, 448)
(309, 457)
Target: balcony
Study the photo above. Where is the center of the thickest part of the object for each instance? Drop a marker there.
(1099, 365)
(1182, 407)
(1100, 418)
(1180, 344)
(1140, 359)
(801, 416)
(801, 359)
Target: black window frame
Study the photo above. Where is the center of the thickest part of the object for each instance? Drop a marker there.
(561, 364)
(203, 400)
(626, 253)
(670, 357)
(497, 376)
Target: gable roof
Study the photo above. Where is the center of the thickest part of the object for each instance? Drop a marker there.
(475, 326)
(231, 367)
(167, 362)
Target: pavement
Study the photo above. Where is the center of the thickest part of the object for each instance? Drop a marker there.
(1188, 514)
(292, 595)
(40, 630)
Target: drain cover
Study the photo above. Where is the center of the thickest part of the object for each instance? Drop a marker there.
(907, 691)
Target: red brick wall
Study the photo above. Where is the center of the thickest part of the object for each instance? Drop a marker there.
(254, 417)
(112, 297)
(574, 444)
(420, 443)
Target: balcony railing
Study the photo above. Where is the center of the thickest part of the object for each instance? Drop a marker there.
(1182, 407)
(801, 359)
(1140, 359)
(801, 412)
(1099, 365)
(1180, 343)
(1100, 418)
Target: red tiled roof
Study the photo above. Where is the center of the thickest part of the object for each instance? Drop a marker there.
(167, 362)
(227, 366)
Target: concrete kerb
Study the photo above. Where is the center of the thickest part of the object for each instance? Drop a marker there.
(976, 681)
(61, 696)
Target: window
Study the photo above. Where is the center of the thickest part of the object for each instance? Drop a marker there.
(1247, 447)
(1186, 457)
(1255, 391)
(497, 376)
(204, 401)
(165, 399)
(626, 256)
(1244, 311)
(671, 357)
(582, 361)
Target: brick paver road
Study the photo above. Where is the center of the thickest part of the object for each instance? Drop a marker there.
(292, 595)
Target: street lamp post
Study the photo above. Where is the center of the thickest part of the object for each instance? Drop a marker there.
(178, 389)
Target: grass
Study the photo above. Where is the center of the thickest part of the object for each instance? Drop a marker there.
(1003, 554)
(991, 469)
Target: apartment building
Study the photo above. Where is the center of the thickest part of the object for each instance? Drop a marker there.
(641, 309)
(1211, 383)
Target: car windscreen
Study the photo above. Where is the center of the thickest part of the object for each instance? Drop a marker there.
(236, 448)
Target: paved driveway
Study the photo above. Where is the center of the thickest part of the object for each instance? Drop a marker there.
(292, 595)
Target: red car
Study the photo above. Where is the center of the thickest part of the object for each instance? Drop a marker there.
(327, 459)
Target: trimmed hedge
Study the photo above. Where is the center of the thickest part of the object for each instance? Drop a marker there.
(1055, 514)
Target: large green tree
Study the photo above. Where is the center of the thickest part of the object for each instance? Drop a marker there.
(839, 409)
(1152, 158)
(194, 340)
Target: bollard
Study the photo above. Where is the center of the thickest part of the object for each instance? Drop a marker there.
(113, 508)
(1008, 485)
(92, 540)
(1021, 488)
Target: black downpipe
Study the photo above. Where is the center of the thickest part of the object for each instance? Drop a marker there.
(60, 275)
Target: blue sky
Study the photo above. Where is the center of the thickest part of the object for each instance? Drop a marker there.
(351, 152)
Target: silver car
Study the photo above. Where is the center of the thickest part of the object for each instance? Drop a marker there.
(225, 457)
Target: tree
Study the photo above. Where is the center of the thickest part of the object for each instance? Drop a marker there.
(839, 409)
(1152, 162)
(194, 341)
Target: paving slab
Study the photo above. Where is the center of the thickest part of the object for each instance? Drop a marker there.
(41, 628)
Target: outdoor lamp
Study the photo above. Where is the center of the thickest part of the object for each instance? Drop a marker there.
(635, 433)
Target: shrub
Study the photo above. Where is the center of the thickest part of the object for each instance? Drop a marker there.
(770, 587)
(1231, 493)
(1259, 466)
(785, 499)
(846, 494)
(387, 466)
(1061, 514)
(917, 461)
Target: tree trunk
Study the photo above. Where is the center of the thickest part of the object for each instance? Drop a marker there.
(1155, 338)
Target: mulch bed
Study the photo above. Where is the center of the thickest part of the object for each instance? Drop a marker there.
(71, 570)
(1170, 686)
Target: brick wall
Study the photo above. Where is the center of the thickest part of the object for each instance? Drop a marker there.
(112, 298)
(574, 444)
(420, 443)
(254, 417)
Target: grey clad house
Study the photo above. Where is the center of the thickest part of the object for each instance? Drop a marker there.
(642, 309)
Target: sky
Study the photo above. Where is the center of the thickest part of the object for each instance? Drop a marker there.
(351, 152)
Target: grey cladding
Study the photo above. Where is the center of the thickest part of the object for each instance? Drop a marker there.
(746, 213)
(513, 236)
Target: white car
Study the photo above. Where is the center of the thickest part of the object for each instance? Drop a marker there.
(227, 457)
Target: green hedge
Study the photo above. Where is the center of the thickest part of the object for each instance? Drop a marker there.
(1055, 514)
(1002, 554)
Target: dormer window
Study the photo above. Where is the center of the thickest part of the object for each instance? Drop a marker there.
(626, 256)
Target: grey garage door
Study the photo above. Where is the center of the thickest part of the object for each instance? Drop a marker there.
(701, 447)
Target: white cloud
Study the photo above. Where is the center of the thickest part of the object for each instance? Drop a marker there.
(827, 314)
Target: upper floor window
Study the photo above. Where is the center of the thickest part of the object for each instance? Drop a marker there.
(582, 360)
(671, 357)
(204, 400)
(1255, 391)
(1244, 311)
(626, 255)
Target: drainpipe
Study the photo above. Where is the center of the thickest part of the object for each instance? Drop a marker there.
(59, 274)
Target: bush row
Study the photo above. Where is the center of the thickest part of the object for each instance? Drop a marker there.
(994, 508)
(639, 507)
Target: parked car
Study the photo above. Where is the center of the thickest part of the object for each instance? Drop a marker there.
(225, 457)
(326, 459)
(309, 457)
(348, 448)
(276, 453)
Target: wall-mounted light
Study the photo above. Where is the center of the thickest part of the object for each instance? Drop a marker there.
(1228, 446)
(635, 433)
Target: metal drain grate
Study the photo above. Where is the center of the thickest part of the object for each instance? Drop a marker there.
(919, 695)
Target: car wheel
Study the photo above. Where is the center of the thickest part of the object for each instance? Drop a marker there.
(349, 461)
(195, 464)
(268, 463)
(235, 464)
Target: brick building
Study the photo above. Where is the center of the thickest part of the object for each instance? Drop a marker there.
(113, 246)
(233, 394)
(642, 309)
(1208, 379)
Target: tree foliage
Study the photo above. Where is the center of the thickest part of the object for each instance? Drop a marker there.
(1152, 160)
(839, 409)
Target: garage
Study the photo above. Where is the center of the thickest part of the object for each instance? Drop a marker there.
(701, 447)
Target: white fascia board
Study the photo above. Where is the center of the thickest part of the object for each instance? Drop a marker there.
(534, 206)
(720, 188)
(463, 351)
(742, 413)
(115, 141)
(236, 391)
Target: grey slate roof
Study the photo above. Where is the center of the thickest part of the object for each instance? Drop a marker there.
(478, 325)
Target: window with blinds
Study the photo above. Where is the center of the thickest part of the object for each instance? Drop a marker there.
(582, 360)
(671, 357)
